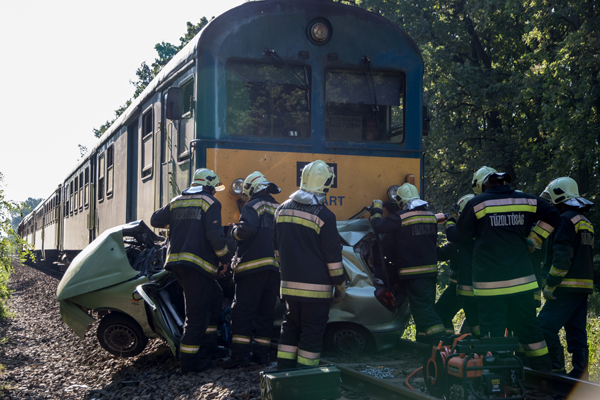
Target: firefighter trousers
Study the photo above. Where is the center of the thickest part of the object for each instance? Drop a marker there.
(252, 313)
(569, 310)
(421, 300)
(447, 306)
(198, 296)
(496, 313)
(302, 330)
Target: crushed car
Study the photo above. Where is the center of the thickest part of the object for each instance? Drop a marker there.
(119, 279)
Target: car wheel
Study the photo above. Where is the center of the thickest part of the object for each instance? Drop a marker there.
(121, 335)
(348, 339)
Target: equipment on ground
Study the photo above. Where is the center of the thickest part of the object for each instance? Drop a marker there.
(320, 382)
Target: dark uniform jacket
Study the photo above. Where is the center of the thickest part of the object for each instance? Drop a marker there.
(415, 241)
(500, 219)
(464, 279)
(449, 252)
(310, 249)
(196, 235)
(569, 263)
(254, 234)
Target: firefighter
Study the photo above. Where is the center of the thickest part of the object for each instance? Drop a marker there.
(197, 253)
(414, 230)
(464, 297)
(501, 221)
(256, 274)
(310, 250)
(569, 276)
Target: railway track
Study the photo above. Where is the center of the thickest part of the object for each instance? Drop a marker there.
(386, 380)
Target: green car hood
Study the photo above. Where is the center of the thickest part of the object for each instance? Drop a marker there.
(101, 264)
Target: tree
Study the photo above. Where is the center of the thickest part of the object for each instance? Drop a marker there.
(17, 214)
(165, 52)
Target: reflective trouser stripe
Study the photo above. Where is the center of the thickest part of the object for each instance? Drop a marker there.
(188, 349)
(256, 263)
(535, 349)
(211, 329)
(287, 352)
(450, 331)
(240, 339)
(435, 329)
(262, 341)
(423, 269)
(505, 290)
(308, 358)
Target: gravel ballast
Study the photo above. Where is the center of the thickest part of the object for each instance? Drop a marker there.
(44, 359)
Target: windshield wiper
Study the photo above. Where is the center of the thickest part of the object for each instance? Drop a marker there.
(369, 73)
(287, 69)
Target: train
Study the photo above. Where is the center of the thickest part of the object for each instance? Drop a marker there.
(269, 86)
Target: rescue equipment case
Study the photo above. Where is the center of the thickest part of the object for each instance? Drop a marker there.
(320, 382)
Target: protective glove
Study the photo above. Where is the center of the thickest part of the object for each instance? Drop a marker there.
(339, 293)
(549, 292)
(377, 207)
(533, 242)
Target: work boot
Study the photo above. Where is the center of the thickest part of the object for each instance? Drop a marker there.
(540, 363)
(580, 365)
(557, 355)
(260, 358)
(218, 352)
(200, 366)
(234, 362)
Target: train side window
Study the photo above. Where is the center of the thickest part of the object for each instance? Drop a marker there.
(363, 106)
(86, 193)
(76, 195)
(81, 191)
(186, 127)
(101, 171)
(147, 144)
(110, 171)
(66, 202)
(71, 198)
(268, 100)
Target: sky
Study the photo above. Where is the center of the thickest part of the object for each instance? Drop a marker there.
(65, 67)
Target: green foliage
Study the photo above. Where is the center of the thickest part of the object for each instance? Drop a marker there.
(11, 246)
(165, 52)
(20, 212)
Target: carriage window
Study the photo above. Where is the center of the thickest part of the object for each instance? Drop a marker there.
(268, 100)
(147, 144)
(86, 193)
(75, 196)
(71, 198)
(110, 171)
(81, 191)
(186, 127)
(66, 202)
(364, 107)
(101, 162)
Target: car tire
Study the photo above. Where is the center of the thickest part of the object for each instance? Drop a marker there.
(121, 335)
(347, 339)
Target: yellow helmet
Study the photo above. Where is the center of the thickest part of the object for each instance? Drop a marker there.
(482, 175)
(252, 182)
(207, 178)
(561, 189)
(463, 201)
(317, 177)
(406, 193)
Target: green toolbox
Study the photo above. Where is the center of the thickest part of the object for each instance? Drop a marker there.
(314, 383)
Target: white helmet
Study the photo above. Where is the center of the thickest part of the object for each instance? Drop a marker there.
(207, 178)
(460, 204)
(407, 196)
(255, 182)
(317, 177)
(565, 190)
(482, 175)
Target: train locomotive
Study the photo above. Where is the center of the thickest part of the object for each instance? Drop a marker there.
(270, 86)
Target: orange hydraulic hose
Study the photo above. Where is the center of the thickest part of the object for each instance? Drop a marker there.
(410, 376)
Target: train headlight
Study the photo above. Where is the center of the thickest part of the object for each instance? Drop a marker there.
(236, 186)
(391, 192)
(319, 32)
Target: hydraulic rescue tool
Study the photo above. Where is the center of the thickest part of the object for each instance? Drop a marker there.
(470, 368)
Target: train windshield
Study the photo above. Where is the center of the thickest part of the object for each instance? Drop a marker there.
(268, 100)
(364, 106)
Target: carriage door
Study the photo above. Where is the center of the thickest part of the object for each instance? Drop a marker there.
(132, 172)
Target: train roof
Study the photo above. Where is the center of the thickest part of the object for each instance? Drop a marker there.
(188, 55)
